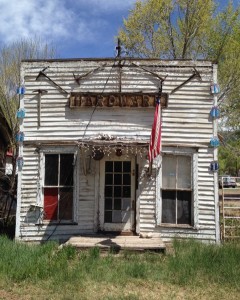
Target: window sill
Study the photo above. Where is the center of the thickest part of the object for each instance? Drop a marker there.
(177, 226)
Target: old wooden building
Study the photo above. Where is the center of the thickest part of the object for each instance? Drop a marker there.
(83, 158)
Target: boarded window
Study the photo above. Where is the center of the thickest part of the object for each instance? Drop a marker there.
(58, 187)
(176, 189)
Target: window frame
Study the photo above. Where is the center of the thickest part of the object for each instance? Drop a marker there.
(59, 151)
(193, 153)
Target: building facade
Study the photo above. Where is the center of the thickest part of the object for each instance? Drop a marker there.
(83, 159)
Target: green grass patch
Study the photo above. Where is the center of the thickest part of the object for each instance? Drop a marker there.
(56, 270)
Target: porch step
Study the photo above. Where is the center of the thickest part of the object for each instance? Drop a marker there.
(134, 243)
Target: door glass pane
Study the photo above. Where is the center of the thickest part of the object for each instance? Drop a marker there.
(126, 179)
(118, 166)
(108, 179)
(169, 207)
(184, 172)
(108, 191)
(117, 191)
(126, 204)
(108, 166)
(117, 204)
(66, 169)
(108, 216)
(184, 207)
(117, 179)
(127, 191)
(108, 203)
(117, 216)
(127, 166)
(65, 203)
(51, 169)
(126, 216)
(169, 171)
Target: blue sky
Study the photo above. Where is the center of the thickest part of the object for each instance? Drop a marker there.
(78, 28)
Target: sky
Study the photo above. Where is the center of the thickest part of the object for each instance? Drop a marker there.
(77, 28)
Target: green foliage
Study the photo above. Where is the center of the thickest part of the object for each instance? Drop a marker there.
(229, 154)
(191, 264)
(197, 29)
(10, 60)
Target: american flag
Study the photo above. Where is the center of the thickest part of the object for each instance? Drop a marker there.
(155, 141)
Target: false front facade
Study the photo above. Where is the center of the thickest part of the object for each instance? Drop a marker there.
(83, 156)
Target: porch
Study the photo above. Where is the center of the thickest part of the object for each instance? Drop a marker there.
(117, 243)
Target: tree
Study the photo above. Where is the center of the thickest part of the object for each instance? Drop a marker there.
(10, 60)
(190, 29)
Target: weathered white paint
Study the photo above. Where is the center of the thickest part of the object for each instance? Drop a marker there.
(186, 124)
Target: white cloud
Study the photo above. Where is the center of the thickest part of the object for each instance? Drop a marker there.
(58, 20)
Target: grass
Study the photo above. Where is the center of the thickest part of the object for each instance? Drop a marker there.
(193, 271)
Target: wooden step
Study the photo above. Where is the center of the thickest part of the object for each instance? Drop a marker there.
(134, 243)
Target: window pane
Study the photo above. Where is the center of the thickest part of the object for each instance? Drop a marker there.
(184, 207)
(118, 204)
(108, 203)
(108, 179)
(127, 179)
(169, 207)
(126, 216)
(108, 191)
(50, 203)
(127, 166)
(117, 191)
(66, 204)
(109, 166)
(66, 169)
(117, 166)
(117, 216)
(126, 204)
(51, 169)
(117, 179)
(169, 163)
(184, 172)
(108, 217)
(127, 191)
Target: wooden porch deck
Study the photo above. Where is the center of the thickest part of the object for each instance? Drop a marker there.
(117, 243)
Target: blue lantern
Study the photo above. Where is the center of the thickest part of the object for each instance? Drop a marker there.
(20, 136)
(21, 113)
(215, 113)
(214, 166)
(21, 90)
(215, 89)
(214, 142)
(20, 163)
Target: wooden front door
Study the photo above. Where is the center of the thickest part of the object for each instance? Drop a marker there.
(117, 194)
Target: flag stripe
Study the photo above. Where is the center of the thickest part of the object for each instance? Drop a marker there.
(155, 140)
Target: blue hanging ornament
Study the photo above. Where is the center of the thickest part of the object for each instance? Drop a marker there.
(20, 163)
(20, 136)
(21, 90)
(214, 166)
(214, 142)
(215, 89)
(215, 113)
(21, 113)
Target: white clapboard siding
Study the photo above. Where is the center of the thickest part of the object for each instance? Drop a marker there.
(185, 123)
